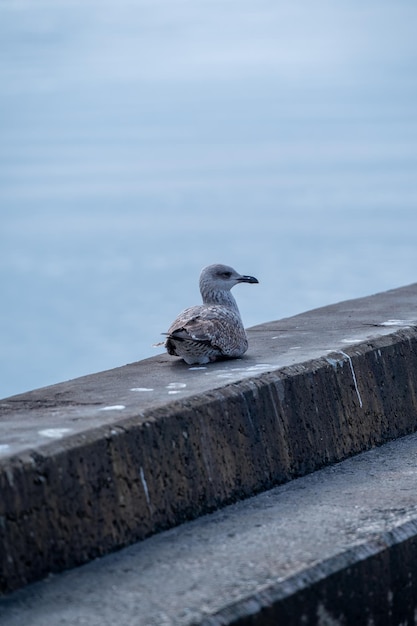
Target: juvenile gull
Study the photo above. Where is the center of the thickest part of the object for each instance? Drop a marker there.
(212, 330)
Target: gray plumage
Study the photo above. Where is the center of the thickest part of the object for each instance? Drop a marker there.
(214, 329)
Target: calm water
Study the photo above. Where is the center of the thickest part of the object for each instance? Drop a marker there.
(142, 141)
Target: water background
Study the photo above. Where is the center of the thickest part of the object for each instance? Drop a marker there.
(143, 140)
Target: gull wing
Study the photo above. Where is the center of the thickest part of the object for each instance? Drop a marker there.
(213, 325)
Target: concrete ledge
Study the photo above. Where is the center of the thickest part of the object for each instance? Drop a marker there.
(314, 389)
(335, 547)
(373, 583)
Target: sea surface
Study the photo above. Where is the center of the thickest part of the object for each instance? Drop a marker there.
(141, 141)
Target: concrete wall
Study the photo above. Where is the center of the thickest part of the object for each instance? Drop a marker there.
(118, 480)
(369, 585)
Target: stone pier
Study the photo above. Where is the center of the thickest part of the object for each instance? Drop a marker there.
(97, 463)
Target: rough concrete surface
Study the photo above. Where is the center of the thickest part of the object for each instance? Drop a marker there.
(336, 547)
(93, 464)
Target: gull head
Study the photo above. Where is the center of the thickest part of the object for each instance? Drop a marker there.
(219, 277)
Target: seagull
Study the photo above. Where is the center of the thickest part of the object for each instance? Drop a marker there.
(212, 330)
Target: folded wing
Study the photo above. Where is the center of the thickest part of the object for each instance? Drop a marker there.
(215, 327)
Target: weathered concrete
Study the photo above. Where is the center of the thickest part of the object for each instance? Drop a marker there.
(335, 548)
(105, 460)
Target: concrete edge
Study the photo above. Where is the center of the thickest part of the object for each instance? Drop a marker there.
(92, 493)
(372, 583)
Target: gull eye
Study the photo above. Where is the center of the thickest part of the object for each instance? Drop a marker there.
(225, 274)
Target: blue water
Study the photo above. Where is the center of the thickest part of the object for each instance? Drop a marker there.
(142, 141)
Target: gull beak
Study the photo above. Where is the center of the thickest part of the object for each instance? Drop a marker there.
(247, 279)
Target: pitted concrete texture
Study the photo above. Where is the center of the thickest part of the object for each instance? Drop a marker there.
(336, 547)
(93, 464)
